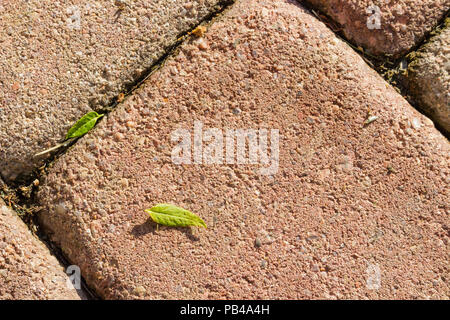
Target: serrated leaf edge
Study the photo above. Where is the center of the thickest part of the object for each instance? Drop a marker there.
(75, 127)
(182, 214)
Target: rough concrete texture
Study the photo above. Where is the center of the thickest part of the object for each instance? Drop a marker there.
(62, 58)
(428, 77)
(402, 23)
(27, 269)
(349, 202)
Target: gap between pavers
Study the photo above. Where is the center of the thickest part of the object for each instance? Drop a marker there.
(384, 27)
(354, 210)
(27, 268)
(62, 58)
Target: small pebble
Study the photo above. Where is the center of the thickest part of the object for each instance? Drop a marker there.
(258, 243)
(60, 209)
(415, 123)
(237, 111)
(130, 124)
(202, 45)
(118, 136)
(139, 291)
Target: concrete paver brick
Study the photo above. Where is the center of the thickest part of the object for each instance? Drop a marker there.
(428, 77)
(348, 211)
(385, 27)
(27, 268)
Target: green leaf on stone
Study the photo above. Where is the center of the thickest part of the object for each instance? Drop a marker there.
(84, 125)
(173, 216)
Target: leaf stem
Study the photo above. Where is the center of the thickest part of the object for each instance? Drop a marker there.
(59, 145)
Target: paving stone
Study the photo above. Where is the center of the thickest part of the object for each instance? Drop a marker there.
(428, 77)
(62, 58)
(350, 211)
(27, 269)
(385, 26)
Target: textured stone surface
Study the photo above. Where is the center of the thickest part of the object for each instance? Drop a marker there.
(403, 23)
(27, 269)
(348, 200)
(59, 59)
(428, 77)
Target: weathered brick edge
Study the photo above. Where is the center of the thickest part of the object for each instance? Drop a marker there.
(27, 268)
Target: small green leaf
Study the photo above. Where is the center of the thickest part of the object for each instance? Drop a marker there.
(172, 216)
(86, 123)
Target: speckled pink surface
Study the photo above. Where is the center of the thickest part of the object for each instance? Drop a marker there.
(60, 59)
(27, 269)
(354, 211)
(403, 23)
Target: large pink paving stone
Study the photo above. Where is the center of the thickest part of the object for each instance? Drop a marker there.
(385, 27)
(60, 59)
(353, 211)
(27, 269)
